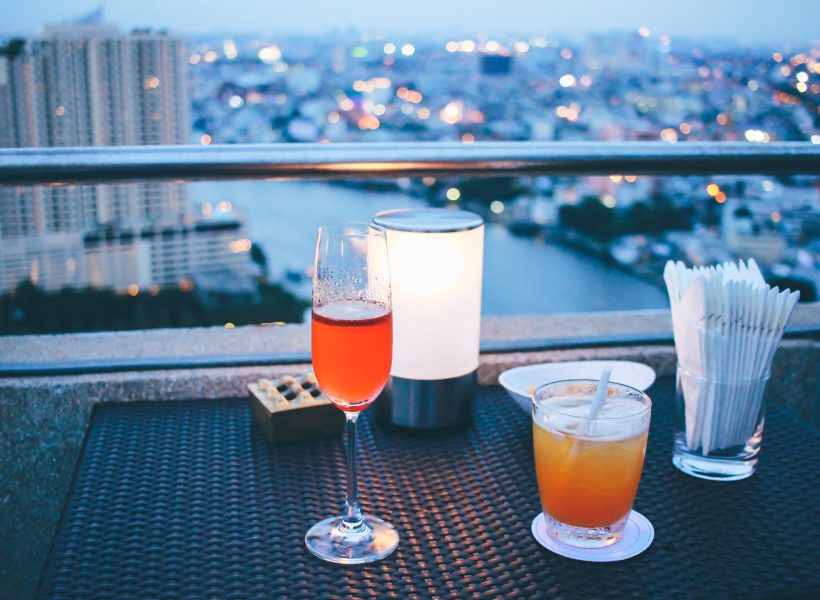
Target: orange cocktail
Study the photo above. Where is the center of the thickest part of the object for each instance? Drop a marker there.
(352, 345)
(588, 470)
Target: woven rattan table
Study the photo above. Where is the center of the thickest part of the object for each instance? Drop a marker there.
(186, 499)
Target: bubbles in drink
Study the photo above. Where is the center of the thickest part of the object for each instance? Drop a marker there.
(350, 310)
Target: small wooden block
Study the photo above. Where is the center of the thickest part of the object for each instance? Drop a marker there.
(291, 409)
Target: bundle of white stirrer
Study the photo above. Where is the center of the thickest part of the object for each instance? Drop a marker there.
(727, 324)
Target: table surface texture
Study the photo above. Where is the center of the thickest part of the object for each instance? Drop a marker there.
(187, 499)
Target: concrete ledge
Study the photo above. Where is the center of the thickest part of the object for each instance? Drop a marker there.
(210, 341)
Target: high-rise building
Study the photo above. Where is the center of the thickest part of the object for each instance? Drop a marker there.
(90, 85)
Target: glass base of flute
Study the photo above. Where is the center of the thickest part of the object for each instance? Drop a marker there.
(335, 541)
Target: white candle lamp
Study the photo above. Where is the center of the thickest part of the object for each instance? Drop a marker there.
(436, 260)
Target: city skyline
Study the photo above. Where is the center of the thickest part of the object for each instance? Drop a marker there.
(788, 21)
(83, 87)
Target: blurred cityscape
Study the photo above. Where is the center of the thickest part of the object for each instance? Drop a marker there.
(89, 84)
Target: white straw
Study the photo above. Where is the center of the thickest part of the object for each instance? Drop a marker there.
(600, 394)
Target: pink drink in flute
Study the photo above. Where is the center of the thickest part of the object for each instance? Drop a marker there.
(352, 349)
(352, 380)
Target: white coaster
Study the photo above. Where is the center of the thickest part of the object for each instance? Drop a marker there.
(637, 537)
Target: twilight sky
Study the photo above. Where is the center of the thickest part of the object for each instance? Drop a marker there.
(751, 21)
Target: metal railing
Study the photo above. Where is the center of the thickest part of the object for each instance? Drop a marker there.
(116, 164)
(65, 166)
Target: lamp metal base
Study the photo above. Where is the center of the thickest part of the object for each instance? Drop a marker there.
(428, 404)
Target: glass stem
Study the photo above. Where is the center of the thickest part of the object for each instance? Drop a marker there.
(352, 519)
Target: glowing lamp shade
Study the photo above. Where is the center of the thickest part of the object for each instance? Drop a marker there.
(436, 260)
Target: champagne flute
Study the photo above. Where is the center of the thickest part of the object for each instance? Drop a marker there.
(352, 349)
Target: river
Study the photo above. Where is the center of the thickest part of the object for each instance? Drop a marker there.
(521, 275)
